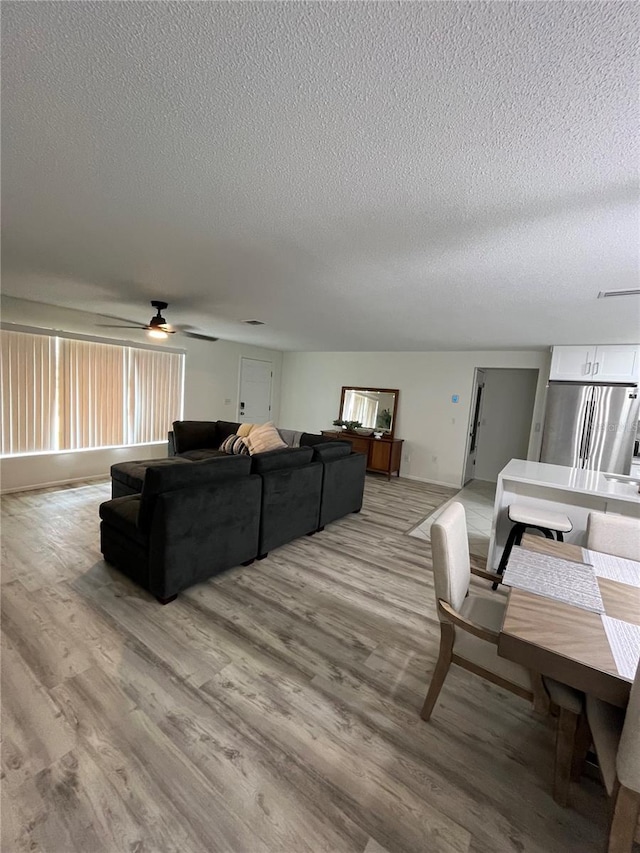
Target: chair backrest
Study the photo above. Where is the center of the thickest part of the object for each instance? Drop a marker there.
(450, 549)
(628, 757)
(614, 534)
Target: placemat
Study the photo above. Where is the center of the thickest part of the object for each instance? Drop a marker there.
(624, 640)
(614, 568)
(553, 577)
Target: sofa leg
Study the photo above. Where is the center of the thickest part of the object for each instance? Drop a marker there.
(167, 600)
(248, 562)
(262, 556)
(320, 529)
(356, 511)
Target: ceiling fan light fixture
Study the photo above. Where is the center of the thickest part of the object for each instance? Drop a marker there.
(158, 327)
(159, 334)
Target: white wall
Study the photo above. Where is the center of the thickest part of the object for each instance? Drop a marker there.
(505, 426)
(434, 428)
(211, 378)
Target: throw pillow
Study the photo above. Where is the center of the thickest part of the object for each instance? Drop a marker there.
(234, 445)
(244, 430)
(264, 437)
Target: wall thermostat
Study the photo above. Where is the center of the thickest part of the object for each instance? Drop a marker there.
(455, 398)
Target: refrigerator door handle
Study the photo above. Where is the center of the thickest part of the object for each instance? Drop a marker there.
(587, 426)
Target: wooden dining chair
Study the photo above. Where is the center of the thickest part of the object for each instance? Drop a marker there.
(469, 632)
(616, 737)
(469, 624)
(614, 534)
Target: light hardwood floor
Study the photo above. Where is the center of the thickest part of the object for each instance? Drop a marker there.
(274, 708)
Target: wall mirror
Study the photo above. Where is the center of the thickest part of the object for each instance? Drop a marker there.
(375, 408)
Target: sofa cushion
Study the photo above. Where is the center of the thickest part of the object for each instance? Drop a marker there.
(234, 446)
(132, 473)
(331, 450)
(170, 478)
(283, 457)
(195, 435)
(263, 438)
(202, 455)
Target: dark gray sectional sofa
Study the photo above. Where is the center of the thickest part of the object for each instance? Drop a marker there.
(177, 521)
(189, 522)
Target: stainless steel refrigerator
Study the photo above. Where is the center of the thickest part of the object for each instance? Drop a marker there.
(590, 426)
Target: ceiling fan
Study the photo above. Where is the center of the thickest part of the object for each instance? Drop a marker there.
(158, 327)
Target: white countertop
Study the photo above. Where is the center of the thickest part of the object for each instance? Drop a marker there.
(570, 479)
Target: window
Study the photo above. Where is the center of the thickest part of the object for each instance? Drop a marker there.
(68, 394)
(28, 392)
(155, 394)
(91, 383)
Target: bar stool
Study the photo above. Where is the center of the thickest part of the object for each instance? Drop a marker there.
(539, 518)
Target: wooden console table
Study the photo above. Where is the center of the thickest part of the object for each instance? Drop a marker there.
(383, 454)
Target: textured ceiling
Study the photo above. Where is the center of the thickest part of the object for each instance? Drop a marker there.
(359, 176)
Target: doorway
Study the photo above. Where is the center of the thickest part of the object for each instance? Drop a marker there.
(255, 391)
(500, 420)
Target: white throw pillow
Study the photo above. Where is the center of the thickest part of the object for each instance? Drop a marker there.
(264, 437)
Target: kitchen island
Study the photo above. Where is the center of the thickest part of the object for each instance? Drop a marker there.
(575, 491)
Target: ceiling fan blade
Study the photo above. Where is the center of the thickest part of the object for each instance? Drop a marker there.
(198, 337)
(109, 326)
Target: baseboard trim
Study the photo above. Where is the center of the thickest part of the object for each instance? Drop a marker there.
(433, 482)
(89, 481)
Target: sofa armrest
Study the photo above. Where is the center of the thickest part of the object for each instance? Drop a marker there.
(197, 532)
(310, 439)
(281, 458)
(171, 443)
(342, 486)
(122, 514)
(331, 450)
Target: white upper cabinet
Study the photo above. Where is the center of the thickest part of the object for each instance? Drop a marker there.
(573, 364)
(616, 364)
(596, 364)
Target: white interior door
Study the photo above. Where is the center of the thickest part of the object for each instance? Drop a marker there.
(255, 391)
(474, 426)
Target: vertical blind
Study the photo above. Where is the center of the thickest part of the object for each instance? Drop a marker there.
(28, 392)
(155, 393)
(65, 394)
(92, 389)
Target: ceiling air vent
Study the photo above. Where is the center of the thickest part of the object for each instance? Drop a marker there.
(605, 294)
(258, 322)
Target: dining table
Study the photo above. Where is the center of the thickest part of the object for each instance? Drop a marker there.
(565, 641)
